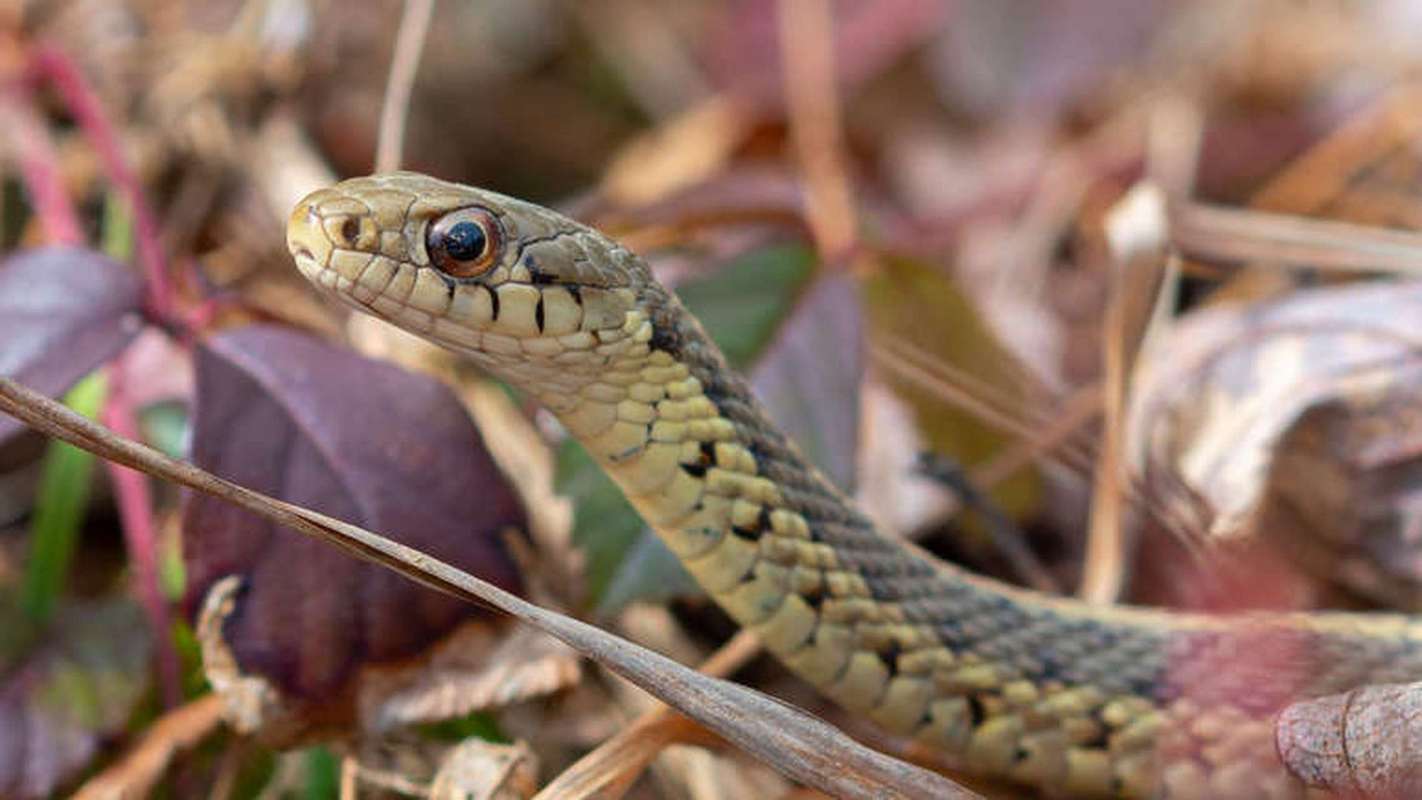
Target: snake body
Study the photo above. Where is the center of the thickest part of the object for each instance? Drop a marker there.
(1080, 700)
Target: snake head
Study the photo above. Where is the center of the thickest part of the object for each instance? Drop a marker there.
(492, 276)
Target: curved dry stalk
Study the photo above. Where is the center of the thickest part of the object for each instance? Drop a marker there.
(793, 742)
(409, 43)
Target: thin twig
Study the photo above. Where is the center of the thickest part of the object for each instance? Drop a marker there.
(1043, 434)
(1137, 230)
(404, 63)
(1082, 406)
(1006, 537)
(909, 363)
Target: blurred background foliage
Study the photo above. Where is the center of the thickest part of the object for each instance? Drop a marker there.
(904, 246)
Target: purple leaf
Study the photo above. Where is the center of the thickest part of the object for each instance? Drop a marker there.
(357, 439)
(809, 378)
(63, 312)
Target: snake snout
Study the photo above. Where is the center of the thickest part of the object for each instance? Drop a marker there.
(306, 239)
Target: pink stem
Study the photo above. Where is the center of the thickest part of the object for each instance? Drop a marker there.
(83, 103)
(39, 168)
(135, 506)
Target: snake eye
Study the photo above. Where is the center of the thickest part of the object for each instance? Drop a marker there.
(464, 243)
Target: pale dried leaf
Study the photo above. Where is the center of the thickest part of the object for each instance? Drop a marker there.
(1366, 742)
(479, 770)
(476, 670)
(1296, 420)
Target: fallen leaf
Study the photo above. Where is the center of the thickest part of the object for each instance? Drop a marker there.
(1293, 420)
(323, 427)
(475, 670)
(1365, 743)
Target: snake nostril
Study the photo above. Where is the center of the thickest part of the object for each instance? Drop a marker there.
(302, 250)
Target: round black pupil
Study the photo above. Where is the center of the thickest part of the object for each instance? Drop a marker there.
(464, 241)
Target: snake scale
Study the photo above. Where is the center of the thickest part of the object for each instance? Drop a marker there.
(1079, 700)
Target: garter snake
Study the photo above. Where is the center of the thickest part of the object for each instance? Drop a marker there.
(1083, 701)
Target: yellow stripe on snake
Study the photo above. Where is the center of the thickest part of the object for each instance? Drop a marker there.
(1080, 700)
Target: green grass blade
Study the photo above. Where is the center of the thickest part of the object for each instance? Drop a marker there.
(60, 507)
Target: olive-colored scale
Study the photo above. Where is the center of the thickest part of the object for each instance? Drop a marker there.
(1084, 701)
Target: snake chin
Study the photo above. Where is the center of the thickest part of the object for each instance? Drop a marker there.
(307, 264)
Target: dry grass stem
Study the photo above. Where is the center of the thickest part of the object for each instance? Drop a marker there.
(404, 64)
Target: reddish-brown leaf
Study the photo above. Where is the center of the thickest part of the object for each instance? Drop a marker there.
(63, 312)
(322, 427)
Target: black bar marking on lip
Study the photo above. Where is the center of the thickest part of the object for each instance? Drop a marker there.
(745, 533)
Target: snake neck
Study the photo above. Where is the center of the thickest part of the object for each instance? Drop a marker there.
(913, 644)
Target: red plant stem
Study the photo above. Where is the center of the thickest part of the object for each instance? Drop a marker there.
(39, 167)
(135, 506)
(83, 103)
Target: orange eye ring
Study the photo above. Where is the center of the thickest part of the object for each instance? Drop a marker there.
(464, 243)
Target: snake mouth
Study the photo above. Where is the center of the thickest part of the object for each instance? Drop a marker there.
(306, 262)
